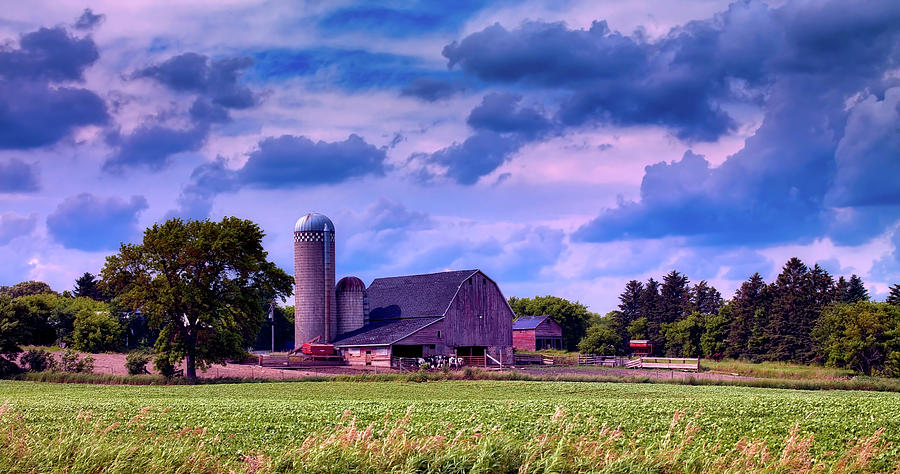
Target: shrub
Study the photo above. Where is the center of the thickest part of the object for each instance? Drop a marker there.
(37, 360)
(70, 362)
(165, 365)
(136, 362)
(96, 331)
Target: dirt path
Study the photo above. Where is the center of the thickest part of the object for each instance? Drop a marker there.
(618, 372)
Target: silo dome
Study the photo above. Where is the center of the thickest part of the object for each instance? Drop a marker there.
(350, 283)
(314, 222)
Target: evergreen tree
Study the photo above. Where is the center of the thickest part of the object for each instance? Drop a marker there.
(840, 289)
(629, 308)
(705, 299)
(894, 296)
(651, 310)
(855, 291)
(675, 295)
(792, 314)
(823, 287)
(88, 286)
(749, 298)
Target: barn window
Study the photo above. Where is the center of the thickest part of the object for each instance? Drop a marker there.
(470, 280)
(439, 334)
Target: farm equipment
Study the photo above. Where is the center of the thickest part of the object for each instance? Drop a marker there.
(313, 349)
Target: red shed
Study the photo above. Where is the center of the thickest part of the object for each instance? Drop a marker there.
(641, 347)
(535, 333)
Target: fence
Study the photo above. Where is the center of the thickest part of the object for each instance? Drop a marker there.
(675, 363)
(605, 361)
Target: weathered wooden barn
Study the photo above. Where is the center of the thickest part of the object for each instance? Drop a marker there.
(535, 333)
(455, 313)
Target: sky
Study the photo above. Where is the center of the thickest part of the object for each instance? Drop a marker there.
(563, 147)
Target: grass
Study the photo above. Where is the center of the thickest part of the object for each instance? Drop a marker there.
(444, 426)
(774, 369)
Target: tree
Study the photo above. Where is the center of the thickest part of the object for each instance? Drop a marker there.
(675, 295)
(705, 299)
(573, 317)
(203, 285)
(601, 339)
(96, 331)
(683, 337)
(12, 333)
(652, 313)
(638, 329)
(855, 291)
(749, 298)
(284, 331)
(861, 336)
(712, 342)
(26, 288)
(894, 296)
(793, 314)
(87, 286)
(629, 308)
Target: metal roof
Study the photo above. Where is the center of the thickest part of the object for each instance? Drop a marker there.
(384, 333)
(528, 322)
(350, 283)
(314, 222)
(414, 296)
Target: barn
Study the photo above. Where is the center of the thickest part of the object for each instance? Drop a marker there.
(535, 333)
(459, 313)
(454, 313)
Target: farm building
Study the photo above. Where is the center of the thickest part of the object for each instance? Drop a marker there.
(535, 333)
(455, 313)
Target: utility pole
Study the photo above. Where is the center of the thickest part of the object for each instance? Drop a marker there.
(272, 322)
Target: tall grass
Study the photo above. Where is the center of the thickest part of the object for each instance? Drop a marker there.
(857, 383)
(567, 444)
(775, 369)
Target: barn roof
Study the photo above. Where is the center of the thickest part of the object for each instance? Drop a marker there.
(386, 332)
(414, 296)
(528, 322)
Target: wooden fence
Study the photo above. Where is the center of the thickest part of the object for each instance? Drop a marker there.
(605, 361)
(674, 363)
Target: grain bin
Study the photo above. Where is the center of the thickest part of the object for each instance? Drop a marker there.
(352, 304)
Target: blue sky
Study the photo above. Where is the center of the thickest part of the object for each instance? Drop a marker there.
(562, 147)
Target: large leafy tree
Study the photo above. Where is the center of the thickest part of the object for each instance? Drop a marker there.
(203, 284)
(862, 336)
(26, 288)
(12, 333)
(573, 317)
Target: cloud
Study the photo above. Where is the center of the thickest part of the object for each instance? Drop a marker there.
(282, 162)
(48, 55)
(13, 226)
(92, 223)
(215, 79)
(501, 113)
(419, 18)
(430, 89)
(813, 153)
(478, 155)
(352, 69)
(151, 145)
(88, 20)
(289, 160)
(34, 109)
(386, 214)
(16, 176)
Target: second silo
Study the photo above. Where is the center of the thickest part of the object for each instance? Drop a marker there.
(314, 299)
(352, 304)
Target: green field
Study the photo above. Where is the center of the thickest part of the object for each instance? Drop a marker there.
(452, 425)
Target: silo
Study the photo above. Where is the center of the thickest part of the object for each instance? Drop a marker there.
(314, 300)
(352, 307)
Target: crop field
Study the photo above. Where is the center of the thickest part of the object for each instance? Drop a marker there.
(487, 426)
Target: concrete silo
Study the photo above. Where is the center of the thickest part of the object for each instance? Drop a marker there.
(352, 304)
(315, 309)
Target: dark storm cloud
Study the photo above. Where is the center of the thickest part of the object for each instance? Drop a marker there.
(151, 145)
(430, 89)
(289, 160)
(91, 223)
(216, 79)
(16, 176)
(88, 20)
(420, 17)
(13, 226)
(35, 110)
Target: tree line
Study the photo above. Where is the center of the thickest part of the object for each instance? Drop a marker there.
(196, 292)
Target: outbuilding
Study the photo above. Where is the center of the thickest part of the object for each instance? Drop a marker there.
(536, 333)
